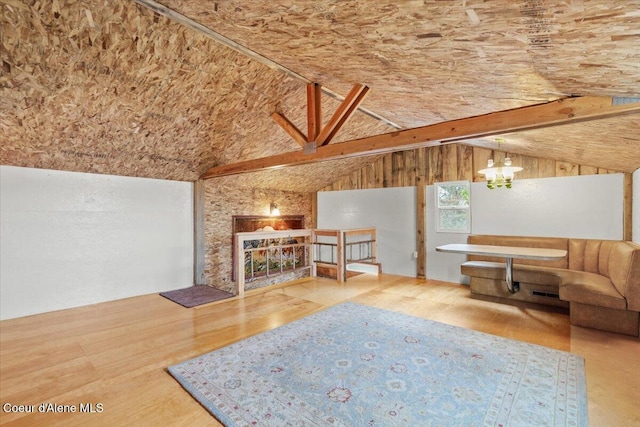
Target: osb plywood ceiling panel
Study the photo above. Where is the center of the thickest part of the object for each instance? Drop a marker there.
(112, 87)
(452, 59)
(596, 143)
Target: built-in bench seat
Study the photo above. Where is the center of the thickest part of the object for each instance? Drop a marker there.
(599, 280)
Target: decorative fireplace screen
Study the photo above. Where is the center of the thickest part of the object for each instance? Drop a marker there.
(272, 256)
(260, 223)
(267, 253)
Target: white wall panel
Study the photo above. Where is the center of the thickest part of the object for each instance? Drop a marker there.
(589, 206)
(390, 210)
(72, 239)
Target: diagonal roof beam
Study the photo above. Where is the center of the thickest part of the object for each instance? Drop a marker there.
(342, 114)
(290, 128)
(314, 111)
(562, 111)
(318, 135)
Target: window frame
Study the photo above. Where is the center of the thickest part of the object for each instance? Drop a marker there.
(465, 209)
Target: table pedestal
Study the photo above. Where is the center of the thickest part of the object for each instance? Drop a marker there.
(512, 286)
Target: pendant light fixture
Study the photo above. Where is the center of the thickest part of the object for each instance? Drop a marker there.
(500, 174)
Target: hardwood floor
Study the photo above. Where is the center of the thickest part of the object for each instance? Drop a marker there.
(114, 355)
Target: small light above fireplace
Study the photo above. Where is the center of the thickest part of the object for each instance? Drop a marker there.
(275, 211)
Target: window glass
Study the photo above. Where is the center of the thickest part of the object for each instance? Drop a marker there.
(453, 202)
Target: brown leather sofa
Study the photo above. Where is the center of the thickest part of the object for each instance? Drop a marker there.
(599, 280)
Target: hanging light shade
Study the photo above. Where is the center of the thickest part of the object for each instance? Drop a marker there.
(274, 209)
(498, 175)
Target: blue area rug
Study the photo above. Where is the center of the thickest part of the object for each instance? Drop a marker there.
(354, 365)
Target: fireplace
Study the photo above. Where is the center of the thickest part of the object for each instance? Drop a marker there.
(251, 223)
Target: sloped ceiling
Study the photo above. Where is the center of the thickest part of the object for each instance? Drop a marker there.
(112, 87)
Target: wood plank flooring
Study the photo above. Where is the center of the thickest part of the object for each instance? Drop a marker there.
(115, 354)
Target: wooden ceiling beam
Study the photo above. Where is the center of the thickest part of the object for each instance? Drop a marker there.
(342, 114)
(562, 111)
(290, 128)
(314, 111)
(317, 135)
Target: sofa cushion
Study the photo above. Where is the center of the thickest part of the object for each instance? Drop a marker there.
(584, 255)
(591, 256)
(590, 288)
(576, 254)
(603, 257)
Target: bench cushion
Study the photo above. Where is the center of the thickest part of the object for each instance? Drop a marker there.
(590, 288)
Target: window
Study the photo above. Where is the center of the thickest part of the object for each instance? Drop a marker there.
(453, 207)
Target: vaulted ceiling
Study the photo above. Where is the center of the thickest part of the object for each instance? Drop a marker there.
(116, 87)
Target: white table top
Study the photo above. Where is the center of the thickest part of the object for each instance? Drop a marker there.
(504, 251)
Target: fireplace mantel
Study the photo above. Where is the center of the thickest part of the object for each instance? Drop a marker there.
(251, 223)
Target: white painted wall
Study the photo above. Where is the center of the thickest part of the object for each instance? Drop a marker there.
(70, 239)
(390, 210)
(636, 206)
(589, 206)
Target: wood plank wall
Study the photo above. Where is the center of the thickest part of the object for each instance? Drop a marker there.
(457, 162)
(451, 162)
